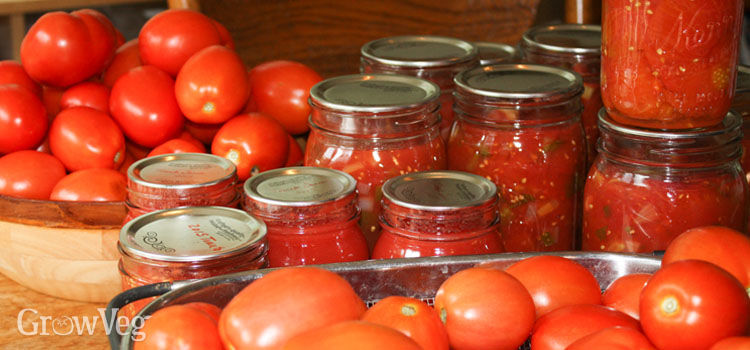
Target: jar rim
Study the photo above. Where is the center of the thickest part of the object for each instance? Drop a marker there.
(732, 122)
(418, 49)
(357, 93)
(331, 185)
(494, 53)
(519, 82)
(135, 171)
(439, 190)
(578, 39)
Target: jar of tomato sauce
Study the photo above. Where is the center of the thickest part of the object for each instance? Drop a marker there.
(741, 105)
(489, 53)
(646, 187)
(576, 47)
(188, 243)
(434, 58)
(519, 126)
(438, 213)
(311, 214)
(374, 127)
(669, 64)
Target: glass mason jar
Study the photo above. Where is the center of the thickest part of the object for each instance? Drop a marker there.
(669, 64)
(519, 126)
(576, 47)
(438, 213)
(374, 127)
(646, 187)
(489, 53)
(311, 215)
(741, 105)
(434, 58)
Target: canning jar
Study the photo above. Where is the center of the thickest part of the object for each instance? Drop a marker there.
(434, 58)
(374, 127)
(489, 53)
(576, 47)
(519, 126)
(741, 105)
(311, 214)
(669, 64)
(438, 213)
(646, 187)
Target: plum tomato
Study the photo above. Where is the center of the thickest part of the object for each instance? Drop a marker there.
(178, 327)
(176, 146)
(51, 97)
(226, 37)
(624, 294)
(29, 174)
(126, 58)
(12, 72)
(352, 335)
(295, 156)
(412, 317)
(614, 338)
(187, 136)
(211, 310)
(93, 184)
(86, 94)
(202, 132)
(565, 325)
(732, 343)
(23, 119)
(82, 137)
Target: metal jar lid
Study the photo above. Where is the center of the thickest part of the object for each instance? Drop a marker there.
(519, 81)
(299, 186)
(191, 234)
(419, 51)
(181, 170)
(373, 93)
(579, 39)
(439, 190)
(494, 53)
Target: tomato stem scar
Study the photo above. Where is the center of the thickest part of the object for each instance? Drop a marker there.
(670, 306)
(408, 310)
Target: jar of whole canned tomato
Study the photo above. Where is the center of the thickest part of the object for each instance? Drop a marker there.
(741, 105)
(311, 214)
(669, 64)
(489, 53)
(646, 187)
(374, 127)
(189, 243)
(434, 58)
(576, 47)
(519, 126)
(438, 213)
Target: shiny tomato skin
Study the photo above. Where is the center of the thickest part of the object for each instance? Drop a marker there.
(12, 72)
(179, 327)
(143, 103)
(614, 338)
(284, 303)
(23, 119)
(86, 94)
(103, 35)
(624, 294)
(126, 58)
(412, 317)
(93, 184)
(82, 138)
(565, 325)
(732, 343)
(20, 174)
(352, 335)
(168, 39)
(176, 146)
(212, 86)
(692, 304)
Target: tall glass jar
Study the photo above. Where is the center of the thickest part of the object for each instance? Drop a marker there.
(311, 214)
(647, 187)
(519, 126)
(374, 127)
(434, 58)
(741, 105)
(576, 47)
(669, 64)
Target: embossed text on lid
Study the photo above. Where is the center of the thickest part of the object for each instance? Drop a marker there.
(439, 190)
(419, 51)
(582, 39)
(181, 170)
(373, 92)
(299, 186)
(519, 81)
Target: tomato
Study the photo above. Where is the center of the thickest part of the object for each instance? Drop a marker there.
(82, 137)
(295, 156)
(179, 327)
(86, 94)
(252, 141)
(143, 103)
(126, 58)
(615, 338)
(12, 72)
(176, 146)
(185, 135)
(168, 39)
(555, 281)
(226, 37)
(485, 309)
(211, 310)
(203, 132)
(280, 89)
(351, 335)
(412, 317)
(624, 294)
(51, 97)
(93, 184)
(563, 326)
(212, 85)
(732, 343)
(692, 304)
(284, 303)
(20, 174)
(23, 120)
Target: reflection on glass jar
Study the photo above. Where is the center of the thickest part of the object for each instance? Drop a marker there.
(741, 105)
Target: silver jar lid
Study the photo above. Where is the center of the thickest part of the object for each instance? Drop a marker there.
(373, 93)
(580, 39)
(191, 234)
(519, 81)
(494, 53)
(419, 51)
(299, 186)
(181, 170)
(439, 190)
(727, 131)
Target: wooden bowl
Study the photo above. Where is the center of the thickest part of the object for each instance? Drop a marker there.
(63, 249)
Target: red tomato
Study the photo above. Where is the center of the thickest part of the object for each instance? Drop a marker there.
(23, 120)
(168, 39)
(732, 343)
(179, 327)
(555, 281)
(284, 303)
(252, 141)
(82, 138)
(203, 132)
(126, 58)
(86, 94)
(226, 37)
(485, 309)
(20, 174)
(213, 311)
(412, 317)
(351, 335)
(295, 156)
(624, 294)
(176, 146)
(212, 85)
(692, 304)
(185, 135)
(51, 97)
(144, 105)
(614, 338)
(94, 184)
(563, 326)
(280, 89)
(12, 72)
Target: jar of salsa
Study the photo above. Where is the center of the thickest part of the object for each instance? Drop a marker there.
(576, 47)
(669, 64)
(434, 58)
(188, 243)
(741, 105)
(646, 187)
(438, 213)
(311, 214)
(519, 126)
(374, 127)
(489, 53)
